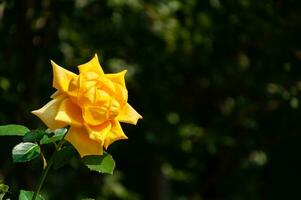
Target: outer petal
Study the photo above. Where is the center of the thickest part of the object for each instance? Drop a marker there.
(48, 113)
(116, 133)
(121, 94)
(57, 94)
(69, 113)
(99, 133)
(91, 66)
(117, 78)
(79, 138)
(61, 77)
(128, 115)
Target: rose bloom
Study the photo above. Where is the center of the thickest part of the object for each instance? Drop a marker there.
(92, 103)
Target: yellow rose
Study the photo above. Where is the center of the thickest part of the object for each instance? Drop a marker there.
(92, 103)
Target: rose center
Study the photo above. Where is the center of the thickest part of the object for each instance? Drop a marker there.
(104, 108)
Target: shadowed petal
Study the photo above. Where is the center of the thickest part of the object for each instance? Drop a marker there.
(48, 113)
(79, 138)
(116, 133)
(61, 77)
(99, 133)
(95, 115)
(128, 115)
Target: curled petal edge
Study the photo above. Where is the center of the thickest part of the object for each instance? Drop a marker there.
(116, 133)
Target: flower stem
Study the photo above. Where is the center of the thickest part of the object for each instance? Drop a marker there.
(46, 170)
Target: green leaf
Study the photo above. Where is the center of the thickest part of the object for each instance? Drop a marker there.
(25, 151)
(12, 130)
(101, 164)
(27, 195)
(57, 136)
(63, 156)
(88, 199)
(34, 136)
(3, 190)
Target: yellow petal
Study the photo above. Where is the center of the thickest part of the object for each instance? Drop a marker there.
(99, 133)
(61, 77)
(91, 66)
(87, 97)
(116, 133)
(48, 113)
(106, 85)
(101, 97)
(69, 113)
(95, 115)
(114, 109)
(128, 115)
(117, 77)
(79, 138)
(56, 94)
(121, 94)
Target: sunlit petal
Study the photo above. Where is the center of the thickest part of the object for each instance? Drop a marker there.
(79, 138)
(61, 77)
(69, 113)
(91, 66)
(129, 115)
(121, 94)
(117, 77)
(48, 113)
(57, 94)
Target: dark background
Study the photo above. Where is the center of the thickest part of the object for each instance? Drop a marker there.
(217, 82)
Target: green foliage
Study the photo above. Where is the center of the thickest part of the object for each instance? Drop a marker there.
(25, 152)
(102, 164)
(34, 136)
(63, 156)
(27, 195)
(13, 130)
(54, 137)
(3, 190)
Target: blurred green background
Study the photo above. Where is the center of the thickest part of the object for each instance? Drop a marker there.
(217, 82)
